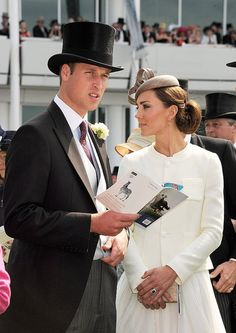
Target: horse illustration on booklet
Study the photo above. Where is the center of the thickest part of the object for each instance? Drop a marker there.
(124, 192)
(159, 204)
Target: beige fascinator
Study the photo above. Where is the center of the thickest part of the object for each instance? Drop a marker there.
(135, 142)
(146, 80)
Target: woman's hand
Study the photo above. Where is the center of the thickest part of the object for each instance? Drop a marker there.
(153, 290)
(160, 303)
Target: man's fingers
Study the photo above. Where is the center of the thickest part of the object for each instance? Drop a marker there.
(215, 272)
(129, 217)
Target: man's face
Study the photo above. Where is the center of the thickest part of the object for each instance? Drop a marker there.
(83, 87)
(219, 128)
(2, 165)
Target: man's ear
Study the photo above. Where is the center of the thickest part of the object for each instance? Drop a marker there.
(65, 72)
(234, 127)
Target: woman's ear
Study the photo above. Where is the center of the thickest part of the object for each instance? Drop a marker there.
(173, 109)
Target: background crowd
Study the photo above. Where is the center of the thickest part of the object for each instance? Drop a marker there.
(152, 33)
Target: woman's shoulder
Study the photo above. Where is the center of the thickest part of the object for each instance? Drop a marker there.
(202, 153)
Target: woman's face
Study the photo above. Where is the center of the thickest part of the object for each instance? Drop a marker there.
(153, 116)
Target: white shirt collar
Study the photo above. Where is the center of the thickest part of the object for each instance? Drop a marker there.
(72, 117)
(187, 138)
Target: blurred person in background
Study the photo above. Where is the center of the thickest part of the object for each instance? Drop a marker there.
(5, 25)
(55, 30)
(40, 30)
(208, 36)
(23, 29)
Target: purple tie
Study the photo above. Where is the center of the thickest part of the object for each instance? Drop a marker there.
(83, 133)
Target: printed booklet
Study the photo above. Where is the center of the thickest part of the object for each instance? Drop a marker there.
(6, 243)
(136, 193)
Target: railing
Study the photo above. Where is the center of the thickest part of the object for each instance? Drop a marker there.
(204, 65)
(5, 59)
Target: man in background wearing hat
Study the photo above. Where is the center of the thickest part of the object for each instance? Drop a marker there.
(122, 35)
(5, 25)
(61, 267)
(220, 123)
(39, 30)
(220, 117)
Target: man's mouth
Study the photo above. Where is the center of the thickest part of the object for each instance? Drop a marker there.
(96, 96)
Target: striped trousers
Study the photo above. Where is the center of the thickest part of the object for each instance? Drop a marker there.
(97, 310)
(226, 303)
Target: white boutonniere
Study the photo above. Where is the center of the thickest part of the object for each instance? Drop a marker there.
(100, 130)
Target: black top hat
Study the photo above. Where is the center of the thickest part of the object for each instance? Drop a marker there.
(220, 105)
(4, 14)
(183, 84)
(231, 64)
(7, 137)
(115, 171)
(86, 42)
(121, 20)
(1, 131)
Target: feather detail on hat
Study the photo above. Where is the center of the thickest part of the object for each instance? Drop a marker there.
(142, 75)
(146, 80)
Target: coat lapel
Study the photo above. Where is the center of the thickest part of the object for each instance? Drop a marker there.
(196, 140)
(67, 141)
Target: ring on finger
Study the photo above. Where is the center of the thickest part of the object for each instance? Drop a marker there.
(153, 291)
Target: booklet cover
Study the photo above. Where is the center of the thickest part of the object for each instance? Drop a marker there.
(6, 243)
(136, 193)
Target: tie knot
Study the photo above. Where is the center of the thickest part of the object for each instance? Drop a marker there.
(83, 131)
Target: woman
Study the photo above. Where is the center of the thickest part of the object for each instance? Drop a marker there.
(172, 252)
(24, 32)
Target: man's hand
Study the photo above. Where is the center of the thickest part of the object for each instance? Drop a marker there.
(153, 290)
(117, 245)
(234, 224)
(111, 223)
(227, 281)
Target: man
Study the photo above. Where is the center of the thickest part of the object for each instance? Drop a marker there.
(220, 117)
(39, 30)
(220, 122)
(224, 258)
(121, 34)
(5, 25)
(55, 169)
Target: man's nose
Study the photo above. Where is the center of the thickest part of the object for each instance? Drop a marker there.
(97, 82)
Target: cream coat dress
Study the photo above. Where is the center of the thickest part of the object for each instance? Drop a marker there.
(183, 239)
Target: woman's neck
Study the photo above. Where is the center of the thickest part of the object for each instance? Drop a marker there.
(170, 145)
